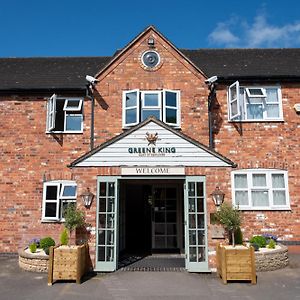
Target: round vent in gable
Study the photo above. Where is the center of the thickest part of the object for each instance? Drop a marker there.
(150, 59)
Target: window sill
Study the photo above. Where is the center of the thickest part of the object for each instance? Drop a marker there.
(257, 121)
(264, 208)
(64, 132)
(52, 221)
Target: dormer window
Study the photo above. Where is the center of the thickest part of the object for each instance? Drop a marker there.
(139, 105)
(251, 103)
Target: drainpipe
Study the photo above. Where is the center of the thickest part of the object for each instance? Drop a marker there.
(211, 82)
(90, 95)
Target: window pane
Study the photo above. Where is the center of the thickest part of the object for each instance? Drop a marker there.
(200, 220)
(171, 242)
(234, 108)
(131, 99)
(171, 115)
(50, 210)
(241, 198)
(150, 112)
(272, 95)
(255, 92)
(260, 198)
(171, 229)
(273, 110)
(279, 198)
(64, 207)
(69, 191)
(151, 99)
(51, 192)
(201, 237)
(240, 181)
(255, 111)
(233, 92)
(73, 122)
(192, 237)
(160, 229)
(159, 242)
(73, 104)
(259, 179)
(278, 181)
(171, 99)
(193, 255)
(191, 188)
(131, 116)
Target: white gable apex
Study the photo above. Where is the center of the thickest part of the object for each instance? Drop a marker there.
(169, 149)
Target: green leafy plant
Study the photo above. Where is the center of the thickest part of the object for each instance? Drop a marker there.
(64, 237)
(46, 243)
(74, 218)
(271, 244)
(259, 240)
(32, 247)
(230, 218)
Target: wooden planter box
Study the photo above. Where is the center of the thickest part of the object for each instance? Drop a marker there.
(67, 263)
(236, 263)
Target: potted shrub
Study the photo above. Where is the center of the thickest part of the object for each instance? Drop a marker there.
(68, 262)
(234, 262)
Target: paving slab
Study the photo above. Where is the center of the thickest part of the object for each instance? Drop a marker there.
(18, 284)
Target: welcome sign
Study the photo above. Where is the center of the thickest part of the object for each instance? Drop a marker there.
(153, 171)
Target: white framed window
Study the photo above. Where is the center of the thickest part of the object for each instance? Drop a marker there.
(254, 103)
(171, 105)
(56, 196)
(64, 115)
(260, 189)
(139, 105)
(151, 104)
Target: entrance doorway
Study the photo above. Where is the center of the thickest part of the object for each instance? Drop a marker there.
(151, 217)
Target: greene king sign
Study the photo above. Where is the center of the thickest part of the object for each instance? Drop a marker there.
(151, 150)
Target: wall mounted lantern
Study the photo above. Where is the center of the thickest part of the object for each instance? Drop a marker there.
(218, 197)
(87, 198)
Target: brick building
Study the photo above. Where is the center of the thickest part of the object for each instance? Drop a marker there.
(152, 138)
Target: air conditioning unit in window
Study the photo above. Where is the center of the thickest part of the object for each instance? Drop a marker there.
(297, 107)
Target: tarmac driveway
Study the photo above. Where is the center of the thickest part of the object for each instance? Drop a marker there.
(18, 284)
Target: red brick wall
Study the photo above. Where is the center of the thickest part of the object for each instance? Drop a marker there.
(273, 145)
(28, 153)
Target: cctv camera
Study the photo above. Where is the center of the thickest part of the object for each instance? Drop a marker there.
(211, 80)
(91, 79)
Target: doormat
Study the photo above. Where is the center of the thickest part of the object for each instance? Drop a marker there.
(153, 263)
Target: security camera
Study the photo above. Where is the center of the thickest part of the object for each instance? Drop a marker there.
(211, 80)
(91, 79)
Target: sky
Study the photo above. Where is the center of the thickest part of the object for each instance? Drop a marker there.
(31, 28)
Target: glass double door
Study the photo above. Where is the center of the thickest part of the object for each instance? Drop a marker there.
(165, 217)
(165, 222)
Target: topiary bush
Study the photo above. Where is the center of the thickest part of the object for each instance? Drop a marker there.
(230, 218)
(64, 237)
(46, 243)
(74, 218)
(259, 240)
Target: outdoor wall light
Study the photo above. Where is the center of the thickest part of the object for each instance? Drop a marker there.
(87, 198)
(218, 197)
